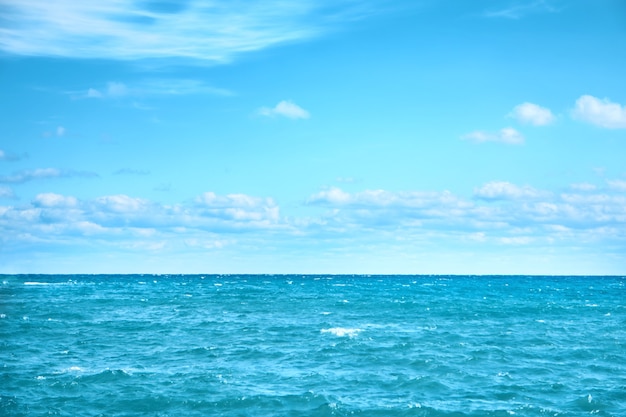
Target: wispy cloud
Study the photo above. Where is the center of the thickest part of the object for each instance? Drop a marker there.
(521, 8)
(151, 87)
(6, 192)
(600, 112)
(285, 108)
(507, 135)
(617, 185)
(60, 131)
(533, 114)
(42, 173)
(131, 171)
(9, 156)
(130, 30)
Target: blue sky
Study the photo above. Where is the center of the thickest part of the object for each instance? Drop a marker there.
(416, 137)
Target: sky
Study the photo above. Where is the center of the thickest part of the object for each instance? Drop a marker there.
(313, 137)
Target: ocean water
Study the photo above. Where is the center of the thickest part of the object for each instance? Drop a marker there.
(262, 345)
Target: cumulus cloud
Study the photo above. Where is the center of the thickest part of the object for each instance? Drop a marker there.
(533, 114)
(122, 204)
(600, 112)
(285, 108)
(238, 207)
(583, 186)
(507, 135)
(502, 190)
(617, 185)
(54, 200)
(500, 213)
(333, 195)
(194, 29)
(43, 173)
(137, 223)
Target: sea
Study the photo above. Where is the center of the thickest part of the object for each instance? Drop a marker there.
(312, 345)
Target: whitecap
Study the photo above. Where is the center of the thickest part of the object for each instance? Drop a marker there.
(342, 331)
(36, 283)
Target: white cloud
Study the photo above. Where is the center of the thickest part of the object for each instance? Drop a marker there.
(333, 195)
(129, 30)
(152, 87)
(60, 131)
(54, 200)
(6, 192)
(600, 112)
(239, 207)
(520, 212)
(123, 204)
(285, 108)
(507, 135)
(532, 114)
(583, 186)
(502, 190)
(126, 220)
(376, 220)
(617, 185)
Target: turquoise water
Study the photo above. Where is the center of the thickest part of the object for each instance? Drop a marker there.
(146, 345)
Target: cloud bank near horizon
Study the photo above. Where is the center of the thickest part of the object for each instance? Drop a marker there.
(498, 213)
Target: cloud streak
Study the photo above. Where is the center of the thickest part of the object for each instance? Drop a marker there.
(23, 176)
(151, 87)
(8, 156)
(522, 8)
(130, 30)
(508, 135)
